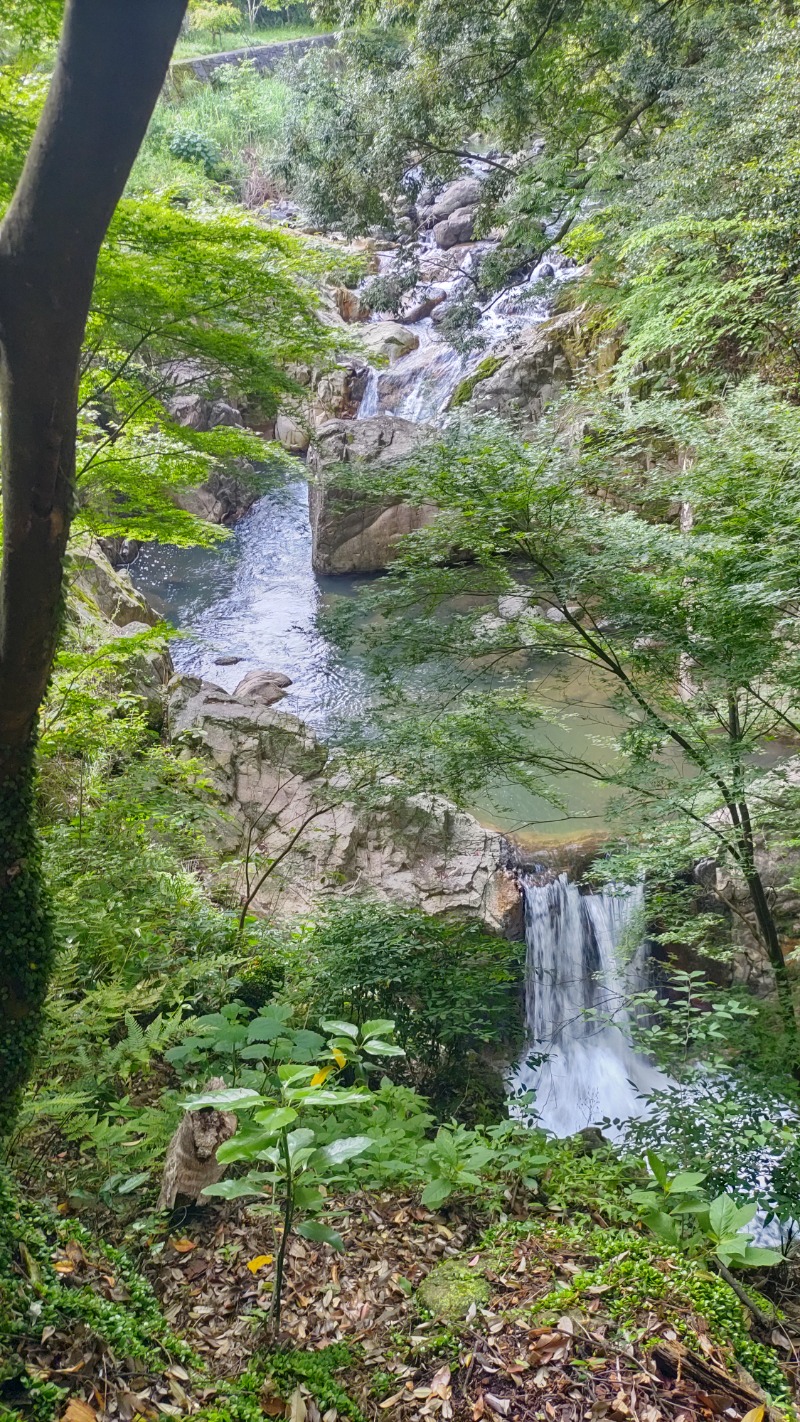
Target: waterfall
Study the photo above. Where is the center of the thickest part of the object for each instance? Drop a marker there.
(579, 1063)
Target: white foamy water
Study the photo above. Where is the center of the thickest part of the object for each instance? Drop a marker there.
(577, 1022)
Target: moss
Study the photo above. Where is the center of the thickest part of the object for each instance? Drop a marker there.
(27, 945)
(464, 390)
(451, 1288)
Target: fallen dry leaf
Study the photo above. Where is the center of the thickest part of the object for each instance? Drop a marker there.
(183, 1245)
(78, 1411)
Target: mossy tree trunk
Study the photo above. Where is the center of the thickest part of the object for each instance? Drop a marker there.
(111, 64)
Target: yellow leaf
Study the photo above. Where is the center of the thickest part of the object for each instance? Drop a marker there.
(339, 1056)
(64, 1266)
(321, 1075)
(260, 1262)
(756, 1414)
(183, 1245)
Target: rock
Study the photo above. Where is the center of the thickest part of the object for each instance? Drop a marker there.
(227, 661)
(189, 410)
(425, 307)
(464, 192)
(106, 589)
(292, 435)
(222, 499)
(455, 229)
(339, 392)
(350, 305)
(451, 1288)
(147, 674)
(411, 849)
(389, 338)
(351, 532)
(264, 686)
(221, 413)
(523, 375)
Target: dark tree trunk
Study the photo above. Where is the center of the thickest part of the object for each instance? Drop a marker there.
(111, 63)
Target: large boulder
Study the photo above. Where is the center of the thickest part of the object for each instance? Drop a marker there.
(96, 587)
(413, 849)
(388, 339)
(454, 230)
(522, 376)
(464, 192)
(350, 531)
(266, 687)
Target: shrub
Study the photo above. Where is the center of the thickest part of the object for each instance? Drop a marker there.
(451, 989)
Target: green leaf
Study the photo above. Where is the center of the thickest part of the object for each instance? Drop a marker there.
(378, 1027)
(237, 1189)
(340, 1029)
(242, 1097)
(345, 1149)
(133, 1182)
(686, 1181)
(276, 1120)
(658, 1168)
(313, 1096)
(321, 1234)
(722, 1216)
(436, 1193)
(376, 1048)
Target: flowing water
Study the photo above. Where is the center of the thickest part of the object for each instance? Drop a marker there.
(578, 1059)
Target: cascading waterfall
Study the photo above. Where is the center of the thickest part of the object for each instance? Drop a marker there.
(579, 1060)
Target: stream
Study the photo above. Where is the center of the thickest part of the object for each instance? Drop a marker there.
(256, 598)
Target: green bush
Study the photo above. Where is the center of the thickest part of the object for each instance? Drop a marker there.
(451, 989)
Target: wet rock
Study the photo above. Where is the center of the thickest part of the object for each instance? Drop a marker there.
(412, 849)
(264, 686)
(350, 305)
(389, 339)
(455, 229)
(227, 661)
(523, 375)
(351, 532)
(339, 392)
(222, 499)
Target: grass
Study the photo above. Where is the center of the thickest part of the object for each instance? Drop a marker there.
(240, 121)
(192, 46)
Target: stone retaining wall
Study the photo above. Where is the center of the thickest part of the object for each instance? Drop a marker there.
(266, 57)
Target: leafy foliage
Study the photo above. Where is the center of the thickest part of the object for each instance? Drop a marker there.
(449, 987)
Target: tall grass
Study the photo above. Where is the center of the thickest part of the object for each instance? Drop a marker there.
(233, 128)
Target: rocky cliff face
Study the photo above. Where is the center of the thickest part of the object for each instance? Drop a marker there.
(352, 533)
(282, 794)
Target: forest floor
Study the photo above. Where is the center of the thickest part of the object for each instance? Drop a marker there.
(536, 1319)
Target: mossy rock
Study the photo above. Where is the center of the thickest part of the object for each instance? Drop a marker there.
(451, 1288)
(463, 391)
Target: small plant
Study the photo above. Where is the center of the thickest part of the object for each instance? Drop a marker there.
(677, 1210)
(291, 1168)
(194, 147)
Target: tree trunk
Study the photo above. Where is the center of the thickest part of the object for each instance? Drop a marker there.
(111, 63)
